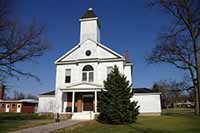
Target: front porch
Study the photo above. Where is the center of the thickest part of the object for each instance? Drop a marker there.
(79, 102)
(82, 105)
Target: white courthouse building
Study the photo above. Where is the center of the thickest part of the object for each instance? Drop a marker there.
(80, 74)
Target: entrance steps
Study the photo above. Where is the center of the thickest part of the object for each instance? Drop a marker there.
(83, 116)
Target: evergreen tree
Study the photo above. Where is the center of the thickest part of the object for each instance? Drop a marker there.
(114, 102)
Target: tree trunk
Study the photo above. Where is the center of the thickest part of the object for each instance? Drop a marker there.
(197, 83)
(196, 89)
(196, 100)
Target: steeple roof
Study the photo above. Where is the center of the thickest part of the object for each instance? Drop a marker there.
(89, 14)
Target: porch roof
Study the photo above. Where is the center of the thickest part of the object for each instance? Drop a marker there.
(83, 86)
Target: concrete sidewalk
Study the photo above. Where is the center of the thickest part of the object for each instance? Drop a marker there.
(49, 127)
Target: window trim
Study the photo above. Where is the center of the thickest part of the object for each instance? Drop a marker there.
(68, 76)
(108, 73)
(87, 70)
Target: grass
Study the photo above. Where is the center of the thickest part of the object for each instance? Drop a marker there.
(178, 111)
(7, 126)
(144, 124)
(21, 116)
(14, 121)
(176, 121)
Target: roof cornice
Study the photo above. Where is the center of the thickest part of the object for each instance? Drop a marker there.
(88, 19)
(148, 93)
(89, 60)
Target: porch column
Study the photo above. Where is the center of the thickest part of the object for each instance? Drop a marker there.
(60, 104)
(73, 98)
(64, 101)
(95, 101)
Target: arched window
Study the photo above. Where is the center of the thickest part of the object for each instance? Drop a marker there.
(88, 73)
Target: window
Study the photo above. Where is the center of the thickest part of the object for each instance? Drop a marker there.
(88, 53)
(88, 68)
(84, 76)
(67, 75)
(88, 73)
(13, 105)
(91, 76)
(109, 70)
(2, 105)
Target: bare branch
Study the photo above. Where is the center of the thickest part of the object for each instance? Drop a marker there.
(19, 43)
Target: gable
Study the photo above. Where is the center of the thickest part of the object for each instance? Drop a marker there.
(105, 52)
(98, 51)
(84, 86)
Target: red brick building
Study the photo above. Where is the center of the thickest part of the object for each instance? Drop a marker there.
(17, 106)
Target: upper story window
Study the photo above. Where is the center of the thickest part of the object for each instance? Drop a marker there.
(109, 70)
(67, 75)
(88, 73)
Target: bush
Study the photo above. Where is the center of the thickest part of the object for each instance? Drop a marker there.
(69, 109)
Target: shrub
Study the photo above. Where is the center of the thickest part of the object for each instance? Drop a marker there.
(69, 109)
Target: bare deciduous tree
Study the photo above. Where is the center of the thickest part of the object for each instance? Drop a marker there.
(18, 43)
(171, 91)
(17, 95)
(179, 44)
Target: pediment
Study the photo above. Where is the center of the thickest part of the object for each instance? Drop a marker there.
(98, 51)
(84, 86)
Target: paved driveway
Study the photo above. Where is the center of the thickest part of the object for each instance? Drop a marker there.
(49, 127)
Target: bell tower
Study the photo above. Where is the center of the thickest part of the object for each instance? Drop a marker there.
(89, 26)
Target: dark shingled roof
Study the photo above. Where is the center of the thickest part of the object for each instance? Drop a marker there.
(48, 93)
(89, 14)
(143, 90)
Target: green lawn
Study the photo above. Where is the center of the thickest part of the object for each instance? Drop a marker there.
(7, 126)
(14, 121)
(21, 116)
(144, 124)
(178, 111)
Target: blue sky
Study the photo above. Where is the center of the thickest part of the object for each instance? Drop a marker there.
(125, 24)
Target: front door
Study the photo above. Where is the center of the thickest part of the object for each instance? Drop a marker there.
(88, 103)
(7, 107)
(18, 108)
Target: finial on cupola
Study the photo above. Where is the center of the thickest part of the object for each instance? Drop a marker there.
(90, 9)
(89, 14)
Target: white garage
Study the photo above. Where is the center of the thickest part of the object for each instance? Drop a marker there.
(148, 101)
(46, 102)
